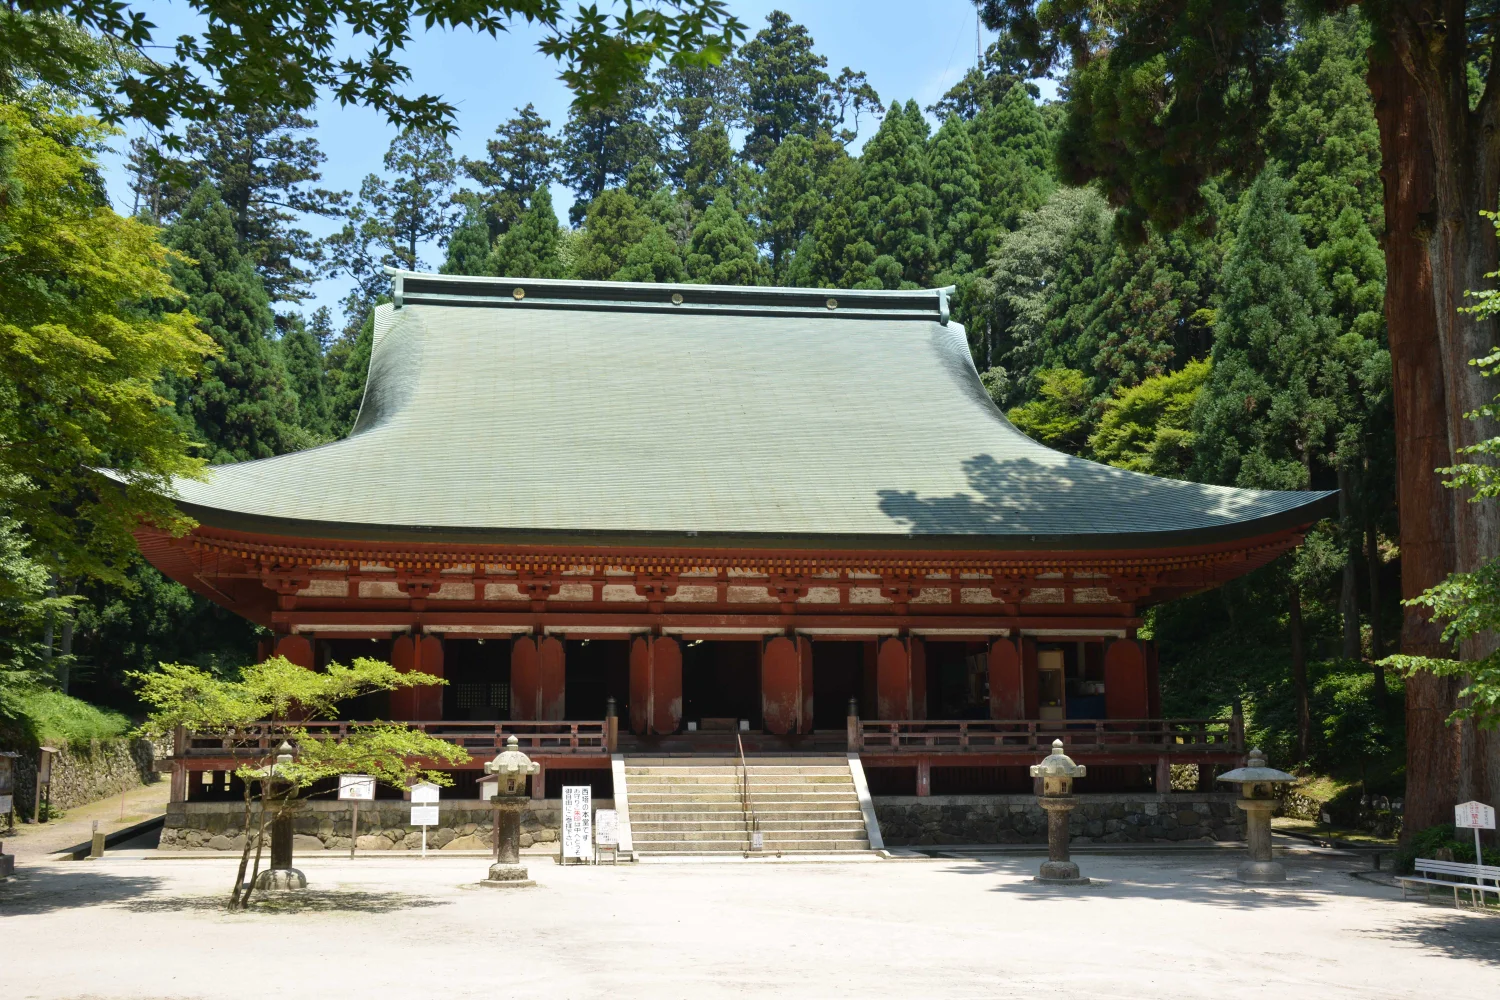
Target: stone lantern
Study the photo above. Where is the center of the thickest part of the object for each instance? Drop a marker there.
(1057, 772)
(511, 768)
(277, 794)
(1258, 799)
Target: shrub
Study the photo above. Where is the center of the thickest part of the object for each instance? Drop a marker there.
(1427, 843)
(57, 719)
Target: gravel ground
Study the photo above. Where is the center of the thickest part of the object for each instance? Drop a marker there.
(1157, 926)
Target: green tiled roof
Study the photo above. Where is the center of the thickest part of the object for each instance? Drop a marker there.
(604, 412)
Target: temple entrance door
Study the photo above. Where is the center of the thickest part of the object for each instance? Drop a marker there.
(597, 670)
(838, 669)
(721, 682)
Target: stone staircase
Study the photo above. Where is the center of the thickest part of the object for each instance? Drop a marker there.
(692, 805)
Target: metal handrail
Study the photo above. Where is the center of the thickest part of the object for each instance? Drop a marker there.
(752, 824)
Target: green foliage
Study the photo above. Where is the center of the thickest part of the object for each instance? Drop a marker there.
(620, 237)
(286, 53)
(603, 144)
(1262, 420)
(1041, 284)
(1428, 842)
(468, 246)
(785, 87)
(1056, 416)
(531, 248)
(1148, 427)
(518, 163)
(266, 170)
(895, 209)
(798, 181)
(81, 361)
(348, 362)
(963, 235)
(723, 250)
(1013, 148)
(240, 406)
(55, 719)
(302, 357)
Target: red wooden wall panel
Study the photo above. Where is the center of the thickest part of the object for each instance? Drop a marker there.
(640, 685)
(805, 660)
(1007, 694)
(525, 680)
(666, 684)
(893, 679)
(297, 648)
(1126, 693)
(780, 685)
(551, 657)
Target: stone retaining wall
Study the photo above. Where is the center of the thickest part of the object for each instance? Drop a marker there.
(908, 821)
(383, 826)
(84, 774)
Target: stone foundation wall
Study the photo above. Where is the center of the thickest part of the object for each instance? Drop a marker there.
(383, 826)
(909, 821)
(84, 774)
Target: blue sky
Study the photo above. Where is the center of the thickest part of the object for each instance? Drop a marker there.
(908, 49)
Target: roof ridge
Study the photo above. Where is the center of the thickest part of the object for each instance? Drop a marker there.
(426, 288)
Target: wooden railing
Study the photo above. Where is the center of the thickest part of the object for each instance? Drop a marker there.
(1031, 736)
(479, 738)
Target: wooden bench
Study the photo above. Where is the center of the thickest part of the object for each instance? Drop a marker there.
(1452, 875)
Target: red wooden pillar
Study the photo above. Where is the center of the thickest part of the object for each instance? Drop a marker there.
(640, 685)
(552, 673)
(893, 679)
(1030, 681)
(296, 648)
(403, 704)
(1153, 680)
(780, 685)
(429, 660)
(1126, 694)
(263, 649)
(1007, 694)
(869, 697)
(918, 647)
(424, 654)
(805, 661)
(525, 680)
(666, 684)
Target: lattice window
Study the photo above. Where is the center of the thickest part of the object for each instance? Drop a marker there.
(487, 696)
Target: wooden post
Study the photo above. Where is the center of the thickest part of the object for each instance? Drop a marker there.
(1163, 776)
(353, 828)
(780, 685)
(924, 776)
(854, 733)
(539, 782)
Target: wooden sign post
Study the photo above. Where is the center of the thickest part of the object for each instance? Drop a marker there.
(1474, 816)
(424, 808)
(354, 789)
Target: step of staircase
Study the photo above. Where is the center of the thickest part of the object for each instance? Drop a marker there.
(804, 804)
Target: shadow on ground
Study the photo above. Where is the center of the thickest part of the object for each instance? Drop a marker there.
(1466, 935)
(47, 889)
(304, 901)
(1211, 883)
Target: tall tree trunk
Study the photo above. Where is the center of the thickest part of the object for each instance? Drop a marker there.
(1465, 145)
(1377, 633)
(1349, 592)
(1299, 671)
(1425, 506)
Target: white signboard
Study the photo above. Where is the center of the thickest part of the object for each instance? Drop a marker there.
(356, 788)
(1474, 816)
(606, 828)
(577, 817)
(424, 815)
(425, 792)
(7, 803)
